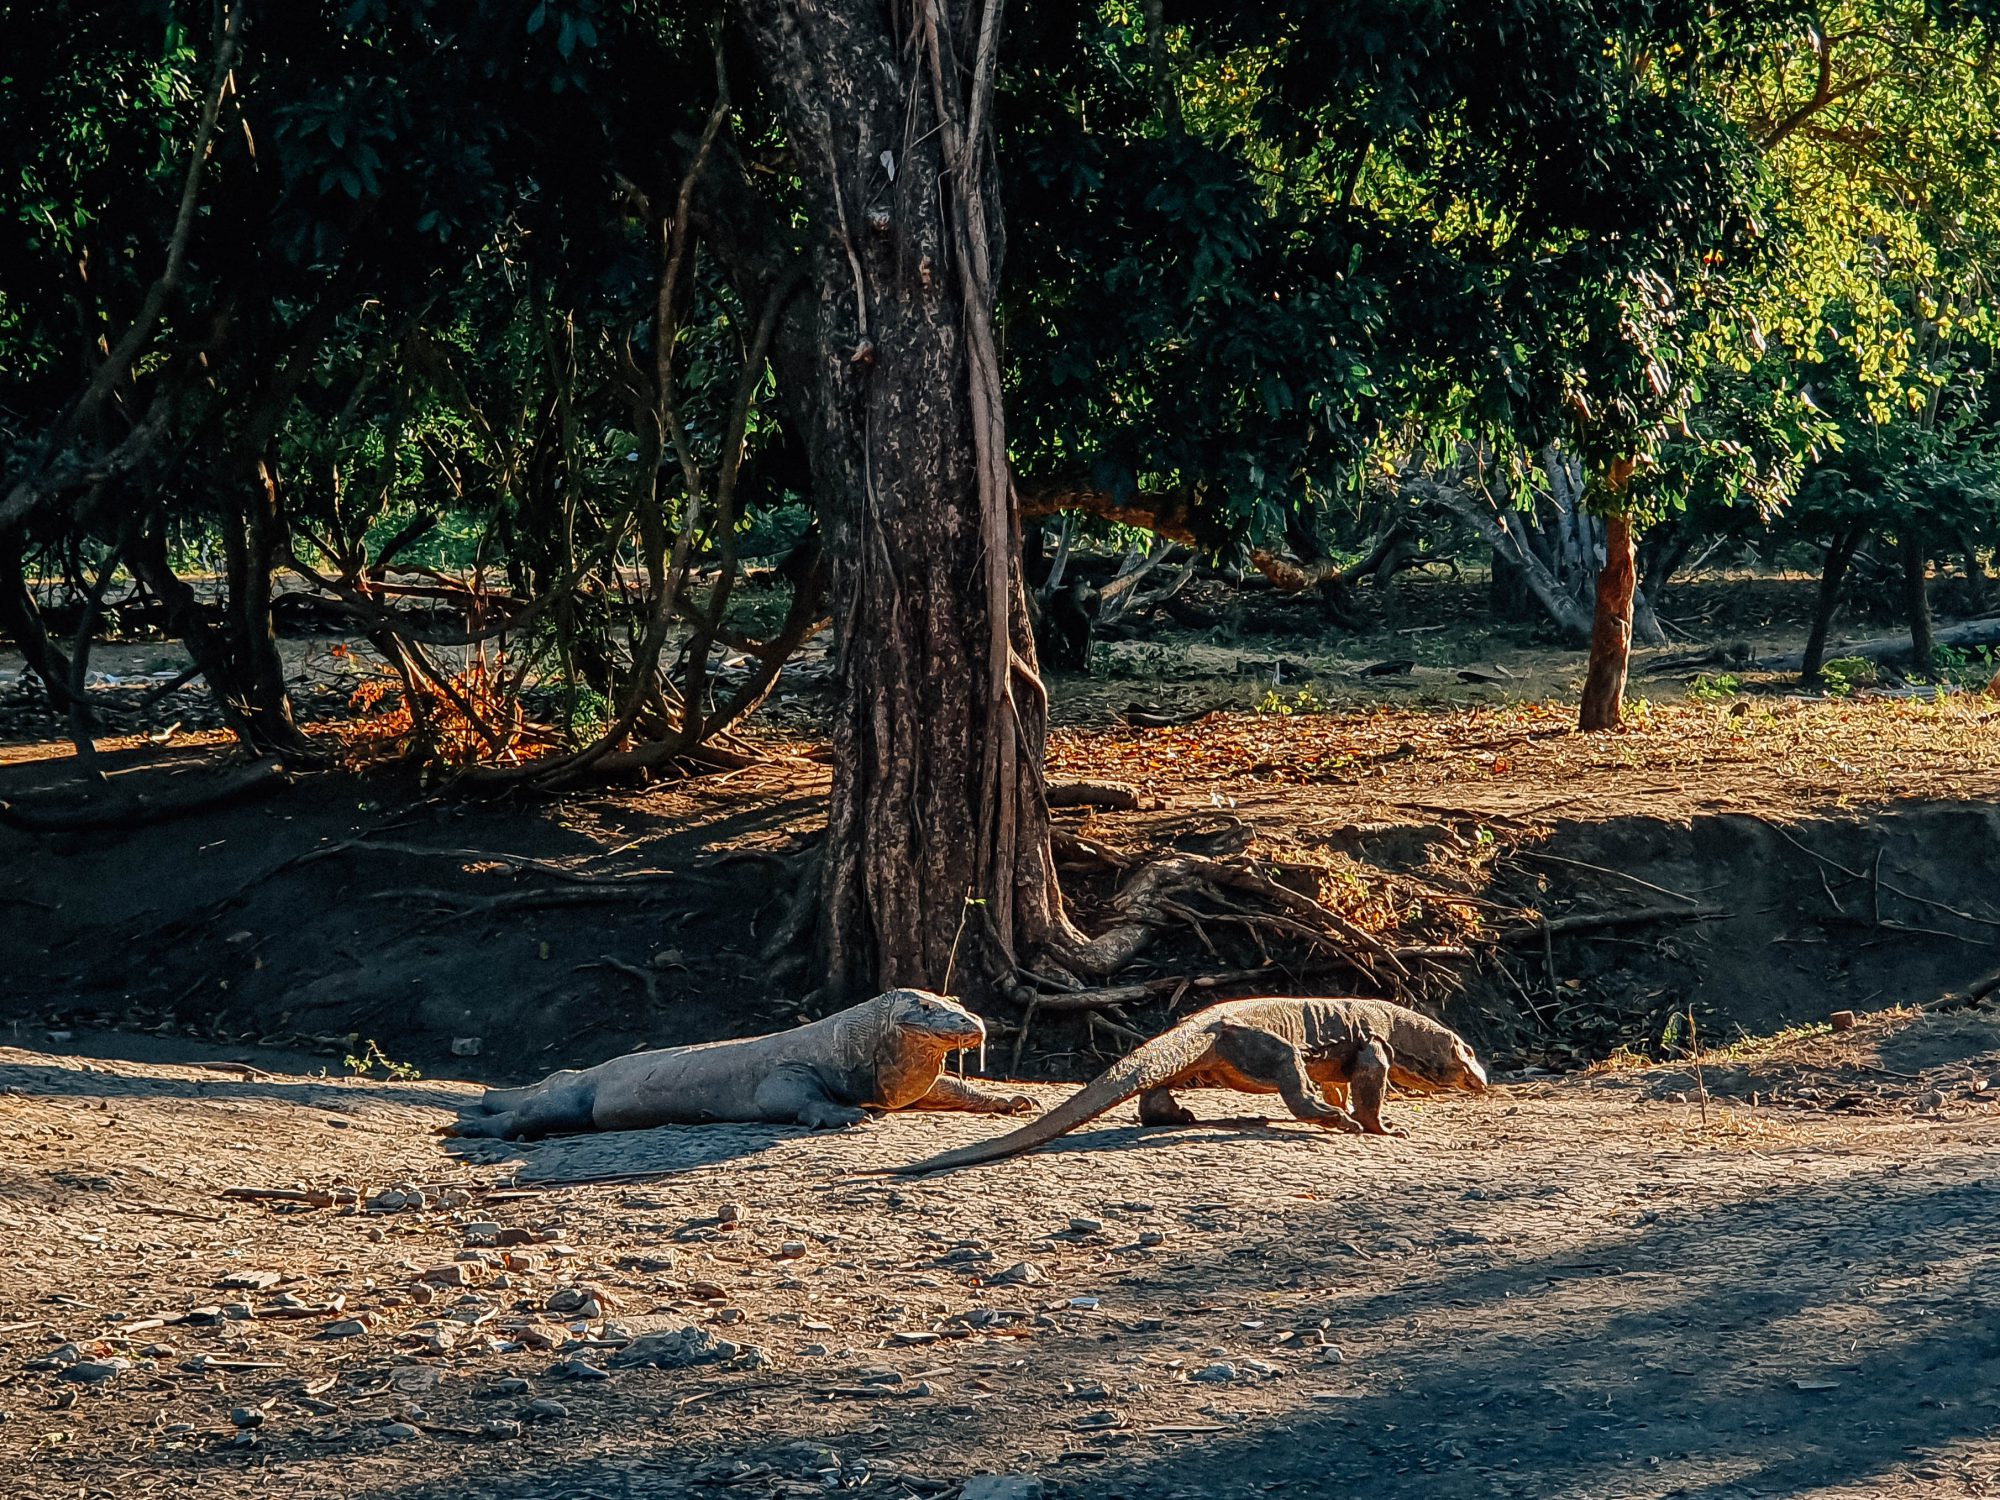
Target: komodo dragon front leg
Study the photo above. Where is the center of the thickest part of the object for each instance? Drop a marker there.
(958, 1093)
(1368, 1085)
(798, 1094)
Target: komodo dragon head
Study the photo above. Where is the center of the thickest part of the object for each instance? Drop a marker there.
(912, 1032)
(1435, 1060)
(936, 1022)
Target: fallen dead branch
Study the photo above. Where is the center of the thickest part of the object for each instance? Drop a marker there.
(143, 808)
(1973, 994)
(1115, 794)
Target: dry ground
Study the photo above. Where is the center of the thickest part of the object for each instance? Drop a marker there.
(1566, 1288)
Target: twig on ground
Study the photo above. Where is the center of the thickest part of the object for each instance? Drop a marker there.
(1596, 921)
(648, 980)
(1584, 864)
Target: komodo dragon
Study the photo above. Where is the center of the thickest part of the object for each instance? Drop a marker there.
(885, 1053)
(1294, 1047)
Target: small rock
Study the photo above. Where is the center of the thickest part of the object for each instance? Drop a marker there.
(813, 1351)
(94, 1371)
(414, 1379)
(1841, 1020)
(249, 1281)
(791, 1250)
(465, 1046)
(544, 1410)
(399, 1432)
(1002, 1487)
(512, 1386)
(346, 1328)
(1929, 1102)
(1021, 1273)
(500, 1427)
(1150, 1238)
(668, 958)
(729, 1213)
(481, 1232)
(1086, 1226)
(730, 1315)
(579, 1369)
(1329, 1355)
(458, 1273)
(674, 1349)
(62, 1036)
(1219, 1373)
(247, 1416)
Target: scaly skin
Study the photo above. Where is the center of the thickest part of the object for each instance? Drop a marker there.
(885, 1053)
(1294, 1047)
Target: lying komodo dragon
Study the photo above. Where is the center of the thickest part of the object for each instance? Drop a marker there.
(1350, 1048)
(885, 1053)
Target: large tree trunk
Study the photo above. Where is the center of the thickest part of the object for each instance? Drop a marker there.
(1611, 629)
(1840, 550)
(21, 618)
(937, 820)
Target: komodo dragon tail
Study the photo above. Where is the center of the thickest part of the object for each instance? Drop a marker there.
(1148, 1067)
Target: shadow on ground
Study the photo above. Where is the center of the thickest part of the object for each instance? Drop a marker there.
(1810, 1343)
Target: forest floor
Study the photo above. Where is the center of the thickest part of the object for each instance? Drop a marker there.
(1600, 1286)
(1608, 1277)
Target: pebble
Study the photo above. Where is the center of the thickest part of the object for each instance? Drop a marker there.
(247, 1416)
(729, 1213)
(579, 1369)
(500, 1427)
(791, 1250)
(542, 1409)
(512, 1386)
(1149, 1238)
(399, 1432)
(1086, 1226)
(465, 1046)
(1329, 1355)
(730, 1315)
(1219, 1373)
(346, 1328)
(1021, 1273)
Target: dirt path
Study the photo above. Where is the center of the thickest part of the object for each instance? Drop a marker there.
(1565, 1289)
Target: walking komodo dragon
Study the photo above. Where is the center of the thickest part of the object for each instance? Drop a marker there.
(1303, 1049)
(885, 1053)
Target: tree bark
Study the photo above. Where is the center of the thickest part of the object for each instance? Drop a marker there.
(1917, 601)
(1611, 629)
(937, 868)
(1840, 552)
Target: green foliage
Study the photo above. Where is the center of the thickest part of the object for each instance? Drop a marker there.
(372, 1059)
(1846, 673)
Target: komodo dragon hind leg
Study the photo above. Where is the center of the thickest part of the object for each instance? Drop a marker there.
(1368, 1085)
(1269, 1058)
(1160, 1107)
